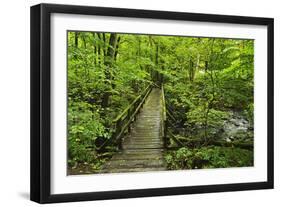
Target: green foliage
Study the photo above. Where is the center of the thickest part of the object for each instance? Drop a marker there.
(84, 126)
(208, 157)
(250, 112)
(197, 117)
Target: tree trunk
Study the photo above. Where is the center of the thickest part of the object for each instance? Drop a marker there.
(108, 62)
(191, 70)
(75, 43)
(117, 47)
(84, 40)
(76, 39)
(99, 49)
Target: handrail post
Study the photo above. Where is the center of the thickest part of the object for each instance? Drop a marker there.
(164, 121)
(117, 131)
(164, 134)
(128, 117)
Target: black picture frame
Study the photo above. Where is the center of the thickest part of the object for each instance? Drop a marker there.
(41, 97)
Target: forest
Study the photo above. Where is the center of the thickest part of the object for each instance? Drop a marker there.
(209, 96)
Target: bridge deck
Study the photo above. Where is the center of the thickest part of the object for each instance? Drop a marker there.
(143, 146)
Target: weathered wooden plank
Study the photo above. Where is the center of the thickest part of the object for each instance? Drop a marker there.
(126, 170)
(127, 163)
(138, 156)
(143, 151)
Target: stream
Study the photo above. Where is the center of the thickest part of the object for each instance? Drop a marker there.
(237, 128)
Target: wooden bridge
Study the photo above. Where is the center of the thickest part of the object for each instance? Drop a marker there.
(139, 133)
(143, 131)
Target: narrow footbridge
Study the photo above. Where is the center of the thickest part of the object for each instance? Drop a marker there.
(142, 133)
(139, 133)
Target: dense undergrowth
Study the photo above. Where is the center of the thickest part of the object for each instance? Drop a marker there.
(208, 157)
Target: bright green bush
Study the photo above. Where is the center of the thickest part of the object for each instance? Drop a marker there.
(84, 126)
(208, 157)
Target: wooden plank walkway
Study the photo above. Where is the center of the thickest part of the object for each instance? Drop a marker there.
(143, 146)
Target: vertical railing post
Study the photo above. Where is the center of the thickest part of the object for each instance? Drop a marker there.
(164, 117)
(128, 118)
(117, 134)
(165, 134)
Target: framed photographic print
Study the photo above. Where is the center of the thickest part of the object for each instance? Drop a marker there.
(132, 103)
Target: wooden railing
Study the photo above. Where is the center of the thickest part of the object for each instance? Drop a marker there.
(164, 118)
(122, 123)
(167, 116)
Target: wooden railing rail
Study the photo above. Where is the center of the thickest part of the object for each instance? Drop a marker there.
(122, 122)
(164, 117)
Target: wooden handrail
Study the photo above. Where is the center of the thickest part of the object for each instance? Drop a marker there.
(122, 122)
(120, 116)
(171, 116)
(164, 103)
(177, 141)
(170, 112)
(143, 95)
(164, 118)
